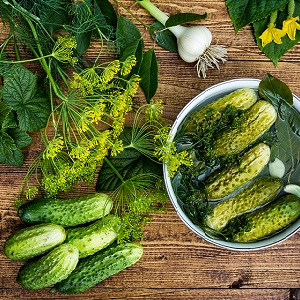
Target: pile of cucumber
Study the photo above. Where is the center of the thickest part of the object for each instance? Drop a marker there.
(69, 245)
(246, 206)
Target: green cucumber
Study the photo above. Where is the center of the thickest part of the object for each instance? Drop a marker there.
(50, 268)
(242, 171)
(240, 99)
(94, 237)
(257, 120)
(95, 268)
(34, 240)
(257, 193)
(269, 219)
(68, 212)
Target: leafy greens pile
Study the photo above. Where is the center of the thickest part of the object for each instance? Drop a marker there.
(275, 23)
(80, 105)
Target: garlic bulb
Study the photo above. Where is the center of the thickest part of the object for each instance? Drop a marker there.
(277, 168)
(292, 189)
(194, 43)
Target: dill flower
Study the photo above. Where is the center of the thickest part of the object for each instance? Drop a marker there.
(272, 34)
(165, 150)
(63, 49)
(31, 192)
(133, 85)
(127, 65)
(94, 113)
(122, 103)
(117, 147)
(53, 148)
(80, 152)
(86, 81)
(110, 71)
(154, 111)
(101, 139)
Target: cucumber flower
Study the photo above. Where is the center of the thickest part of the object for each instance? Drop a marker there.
(290, 26)
(272, 34)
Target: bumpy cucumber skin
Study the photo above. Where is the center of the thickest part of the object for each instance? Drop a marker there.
(50, 268)
(34, 240)
(251, 163)
(257, 120)
(271, 218)
(95, 268)
(241, 99)
(69, 212)
(94, 237)
(259, 192)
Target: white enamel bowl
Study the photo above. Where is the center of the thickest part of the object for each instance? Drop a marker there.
(211, 94)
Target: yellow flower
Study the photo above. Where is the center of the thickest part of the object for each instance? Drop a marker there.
(290, 26)
(127, 65)
(154, 111)
(53, 148)
(110, 71)
(272, 34)
(63, 49)
(79, 152)
(117, 147)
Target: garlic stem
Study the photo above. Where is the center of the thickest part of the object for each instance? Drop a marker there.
(160, 16)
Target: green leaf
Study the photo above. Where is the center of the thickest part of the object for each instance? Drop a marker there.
(16, 158)
(7, 144)
(163, 37)
(129, 164)
(106, 18)
(4, 112)
(288, 132)
(275, 91)
(135, 48)
(19, 86)
(149, 74)
(244, 12)
(126, 34)
(20, 93)
(287, 125)
(83, 26)
(20, 137)
(184, 18)
(10, 121)
(272, 50)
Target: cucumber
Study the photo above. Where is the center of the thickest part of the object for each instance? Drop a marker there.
(95, 268)
(69, 212)
(34, 240)
(94, 237)
(257, 120)
(240, 99)
(270, 219)
(250, 164)
(259, 192)
(50, 268)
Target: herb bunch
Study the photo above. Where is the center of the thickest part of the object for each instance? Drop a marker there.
(82, 113)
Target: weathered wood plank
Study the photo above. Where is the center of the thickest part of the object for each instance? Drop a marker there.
(154, 294)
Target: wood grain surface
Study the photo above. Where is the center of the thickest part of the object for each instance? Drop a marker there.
(176, 263)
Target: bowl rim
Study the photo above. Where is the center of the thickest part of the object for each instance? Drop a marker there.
(226, 87)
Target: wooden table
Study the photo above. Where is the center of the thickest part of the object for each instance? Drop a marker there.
(176, 263)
